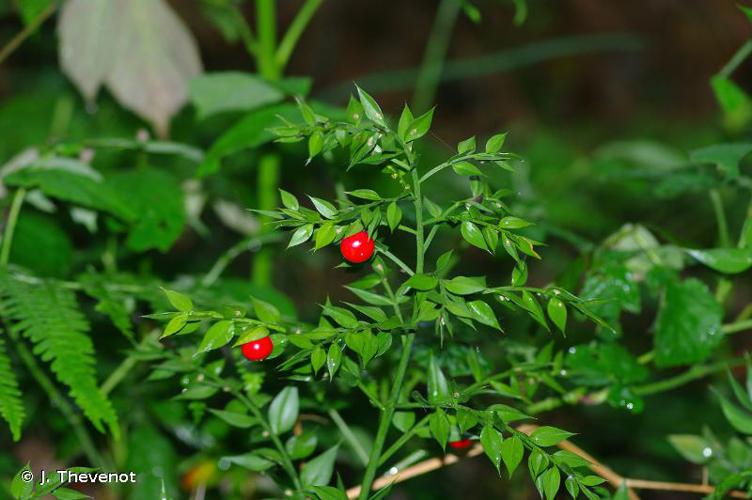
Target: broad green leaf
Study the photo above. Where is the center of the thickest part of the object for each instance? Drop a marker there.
(289, 200)
(251, 334)
(301, 446)
(301, 235)
(495, 143)
(512, 452)
(693, 448)
(492, 441)
(178, 300)
(473, 235)
(323, 207)
(174, 325)
(220, 92)
(406, 118)
(422, 282)
(439, 426)
(371, 108)
(557, 311)
(325, 235)
(283, 411)
(482, 313)
(235, 419)
(419, 127)
(393, 215)
(688, 325)
(550, 481)
(549, 436)
(35, 231)
(365, 194)
(465, 285)
(735, 103)
(403, 420)
(250, 461)
(365, 344)
(342, 316)
(466, 146)
(318, 471)
(466, 419)
(265, 311)
(19, 487)
(370, 297)
(438, 387)
(510, 222)
(330, 493)
(218, 335)
(725, 260)
(318, 358)
(739, 419)
(465, 168)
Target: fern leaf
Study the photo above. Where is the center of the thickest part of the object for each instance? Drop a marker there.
(48, 315)
(11, 406)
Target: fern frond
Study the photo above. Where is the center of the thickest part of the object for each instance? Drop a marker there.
(48, 315)
(11, 406)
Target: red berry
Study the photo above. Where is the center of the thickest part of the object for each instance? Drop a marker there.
(460, 444)
(357, 248)
(257, 350)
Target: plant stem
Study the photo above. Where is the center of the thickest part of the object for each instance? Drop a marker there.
(246, 34)
(397, 445)
(294, 31)
(126, 365)
(17, 40)
(266, 189)
(349, 436)
(266, 29)
(419, 254)
(233, 252)
(739, 56)
(10, 226)
(429, 73)
(386, 253)
(720, 217)
(690, 375)
(386, 418)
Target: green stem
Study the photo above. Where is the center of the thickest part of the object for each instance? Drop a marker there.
(294, 31)
(386, 253)
(126, 365)
(233, 252)
(429, 73)
(720, 217)
(10, 226)
(349, 436)
(386, 418)
(246, 34)
(739, 56)
(397, 445)
(266, 29)
(266, 189)
(690, 375)
(419, 241)
(17, 40)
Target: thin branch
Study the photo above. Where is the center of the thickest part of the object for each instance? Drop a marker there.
(21, 37)
(597, 467)
(294, 32)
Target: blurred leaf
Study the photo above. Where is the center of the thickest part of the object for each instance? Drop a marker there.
(39, 244)
(156, 197)
(318, 471)
(557, 311)
(738, 418)
(725, 260)
(250, 461)
(283, 412)
(692, 448)
(219, 92)
(550, 482)
(422, 282)
(473, 235)
(140, 48)
(218, 335)
(371, 108)
(439, 425)
(234, 419)
(482, 313)
(301, 446)
(250, 132)
(466, 285)
(152, 457)
(725, 156)
(30, 10)
(403, 420)
(265, 311)
(688, 325)
(734, 102)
